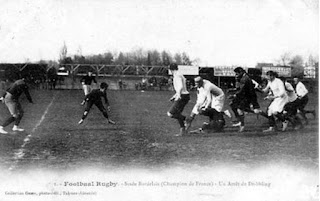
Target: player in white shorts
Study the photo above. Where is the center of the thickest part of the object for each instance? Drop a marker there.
(278, 97)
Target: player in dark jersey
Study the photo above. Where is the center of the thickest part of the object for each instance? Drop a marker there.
(11, 99)
(244, 98)
(86, 83)
(94, 98)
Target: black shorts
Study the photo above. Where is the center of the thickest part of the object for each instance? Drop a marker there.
(178, 106)
(303, 102)
(99, 105)
(291, 108)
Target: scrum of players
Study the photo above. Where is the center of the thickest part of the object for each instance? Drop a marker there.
(286, 102)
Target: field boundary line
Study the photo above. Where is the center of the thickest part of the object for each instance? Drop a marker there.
(18, 155)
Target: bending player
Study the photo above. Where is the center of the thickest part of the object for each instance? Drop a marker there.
(11, 99)
(94, 98)
(210, 101)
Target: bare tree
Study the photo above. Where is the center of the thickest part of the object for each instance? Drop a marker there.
(63, 53)
(297, 65)
(285, 58)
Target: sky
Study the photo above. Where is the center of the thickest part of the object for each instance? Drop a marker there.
(217, 32)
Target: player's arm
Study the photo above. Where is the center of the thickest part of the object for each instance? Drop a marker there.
(94, 80)
(179, 88)
(289, 87)
(106, 100)
(26, 91)
(266, 89)
(82, 80)
(2, 97)
(208, 97)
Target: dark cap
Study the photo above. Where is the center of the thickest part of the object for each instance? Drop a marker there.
(104, 85)
(238, 70)
(272, 73)
(173, 66)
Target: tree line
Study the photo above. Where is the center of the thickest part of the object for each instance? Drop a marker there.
(137, 56)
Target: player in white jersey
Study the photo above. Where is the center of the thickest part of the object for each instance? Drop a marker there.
(210, 102)
(302, 94)
(290, 109)
(278, 97)
(180, 98)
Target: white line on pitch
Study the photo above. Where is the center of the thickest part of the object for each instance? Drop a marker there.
(20, 152)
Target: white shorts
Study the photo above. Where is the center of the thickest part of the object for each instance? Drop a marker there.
(277, 105)
(217, 102)
(86, 89)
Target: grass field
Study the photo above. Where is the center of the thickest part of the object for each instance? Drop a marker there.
(143, 136)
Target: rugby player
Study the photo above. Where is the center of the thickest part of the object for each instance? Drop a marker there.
(244, 98)
(210, 102)
(290, 109)
(180, 98)
(302, 93)
(86, 83)
(94, 98)
(11, 100)
(279, 99)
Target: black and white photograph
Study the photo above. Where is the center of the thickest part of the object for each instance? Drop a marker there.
(209, 100)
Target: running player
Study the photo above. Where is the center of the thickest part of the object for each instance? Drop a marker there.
(94, 98)
(244, 98)
(11, 99)
(278, 97)
(180, 98)
(290, 109)
(302, 93)
(86, 83)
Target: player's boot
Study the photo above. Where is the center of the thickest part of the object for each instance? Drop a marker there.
(2, 131)
(236, 124)
(16, 128)
(81, 121)
(187, 124)
(182, 132)
(241, 129)
(227, 113)
(269, 130)
(111, 122)
(284, 125)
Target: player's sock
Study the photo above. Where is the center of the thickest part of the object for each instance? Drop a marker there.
(18, 119)
(85, 114)
(8, 121)
(241, 118)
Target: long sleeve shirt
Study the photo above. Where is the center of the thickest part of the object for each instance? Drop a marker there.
(301, 90)
(277, 88)
(179, 84)
(210, 90)
(245, 87)
(87, 80)
(17, 88)
(292, 96)
(95, 96)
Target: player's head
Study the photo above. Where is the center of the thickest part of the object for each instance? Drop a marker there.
(271, 75)
(198, 81)
(103, 86)
(173, 67)
(239, 71)
(90, 73)
(296, 79)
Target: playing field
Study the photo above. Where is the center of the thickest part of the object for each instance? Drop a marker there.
(143, 136)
